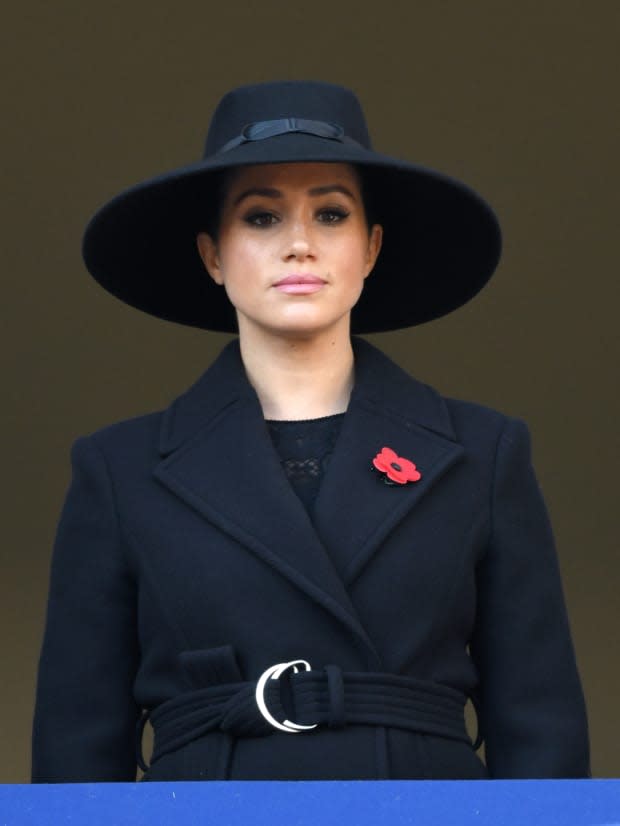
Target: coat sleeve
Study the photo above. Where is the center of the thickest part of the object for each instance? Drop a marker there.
(85, 716)
(531, 712)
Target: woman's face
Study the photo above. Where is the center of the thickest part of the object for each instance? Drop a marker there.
(293, 247)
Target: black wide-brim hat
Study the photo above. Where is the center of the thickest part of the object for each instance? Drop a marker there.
(441, 240)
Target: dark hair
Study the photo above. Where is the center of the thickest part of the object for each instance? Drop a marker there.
(369, 201)
(213, 213)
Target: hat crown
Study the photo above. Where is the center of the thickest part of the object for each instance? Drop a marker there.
(309, 100)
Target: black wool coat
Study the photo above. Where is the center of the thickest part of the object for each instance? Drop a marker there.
(184, 560)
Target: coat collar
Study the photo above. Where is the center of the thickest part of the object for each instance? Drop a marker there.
(379, 383)
(218, 457)
(222, 385)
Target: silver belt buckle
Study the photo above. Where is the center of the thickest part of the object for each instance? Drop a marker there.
(274, 672)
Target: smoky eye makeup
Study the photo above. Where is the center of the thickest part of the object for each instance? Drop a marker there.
(332, 214)
(259, 217)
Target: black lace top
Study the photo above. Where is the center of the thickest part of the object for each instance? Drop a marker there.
(305, 448)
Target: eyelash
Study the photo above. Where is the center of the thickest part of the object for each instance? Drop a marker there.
(338, 212)
(257, 219)
(265, 218)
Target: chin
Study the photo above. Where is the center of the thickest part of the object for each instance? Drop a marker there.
(304, 329)
(313, 326)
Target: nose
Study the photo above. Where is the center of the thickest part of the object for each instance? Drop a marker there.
(299, 244)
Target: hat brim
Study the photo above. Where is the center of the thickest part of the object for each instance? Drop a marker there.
(441, 242)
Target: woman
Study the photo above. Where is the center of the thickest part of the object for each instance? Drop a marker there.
(306, 566)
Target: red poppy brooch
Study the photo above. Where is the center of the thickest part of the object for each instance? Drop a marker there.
(396, 470)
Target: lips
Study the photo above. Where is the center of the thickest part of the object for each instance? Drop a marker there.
(298, 284)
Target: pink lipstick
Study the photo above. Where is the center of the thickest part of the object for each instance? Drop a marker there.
(299, 284)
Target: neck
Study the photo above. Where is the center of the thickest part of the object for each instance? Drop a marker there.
(299, 378)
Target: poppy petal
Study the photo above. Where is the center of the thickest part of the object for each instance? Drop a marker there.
(407, 466)
(383, 459)
(396, 476)
(380, 463)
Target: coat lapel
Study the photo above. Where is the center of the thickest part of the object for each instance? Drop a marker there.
(219, 459)
(387, 408)
(217, 456)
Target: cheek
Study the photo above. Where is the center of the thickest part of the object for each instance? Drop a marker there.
(239, 260)
(355, 260)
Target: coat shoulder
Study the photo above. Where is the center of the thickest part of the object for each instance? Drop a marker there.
(127, 429)
(470, 416)
(388, 385)
(125, 439)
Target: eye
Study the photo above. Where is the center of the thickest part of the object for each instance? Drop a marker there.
(260, 218)
(332, 215)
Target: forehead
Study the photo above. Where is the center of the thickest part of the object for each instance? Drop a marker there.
(294, 176)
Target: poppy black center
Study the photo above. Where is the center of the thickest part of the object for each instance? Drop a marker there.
(396, 466)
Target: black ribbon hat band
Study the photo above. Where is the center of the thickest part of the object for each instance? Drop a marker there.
(262, 129)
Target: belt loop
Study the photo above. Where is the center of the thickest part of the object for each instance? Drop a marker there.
(335, 693)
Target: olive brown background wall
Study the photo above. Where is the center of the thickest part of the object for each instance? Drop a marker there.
(518, 99)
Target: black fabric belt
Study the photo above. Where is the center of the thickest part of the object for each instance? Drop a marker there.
(329, 698)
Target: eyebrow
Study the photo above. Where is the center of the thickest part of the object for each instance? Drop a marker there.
(269, 192)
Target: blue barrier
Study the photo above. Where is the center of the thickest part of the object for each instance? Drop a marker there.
(435, 803)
